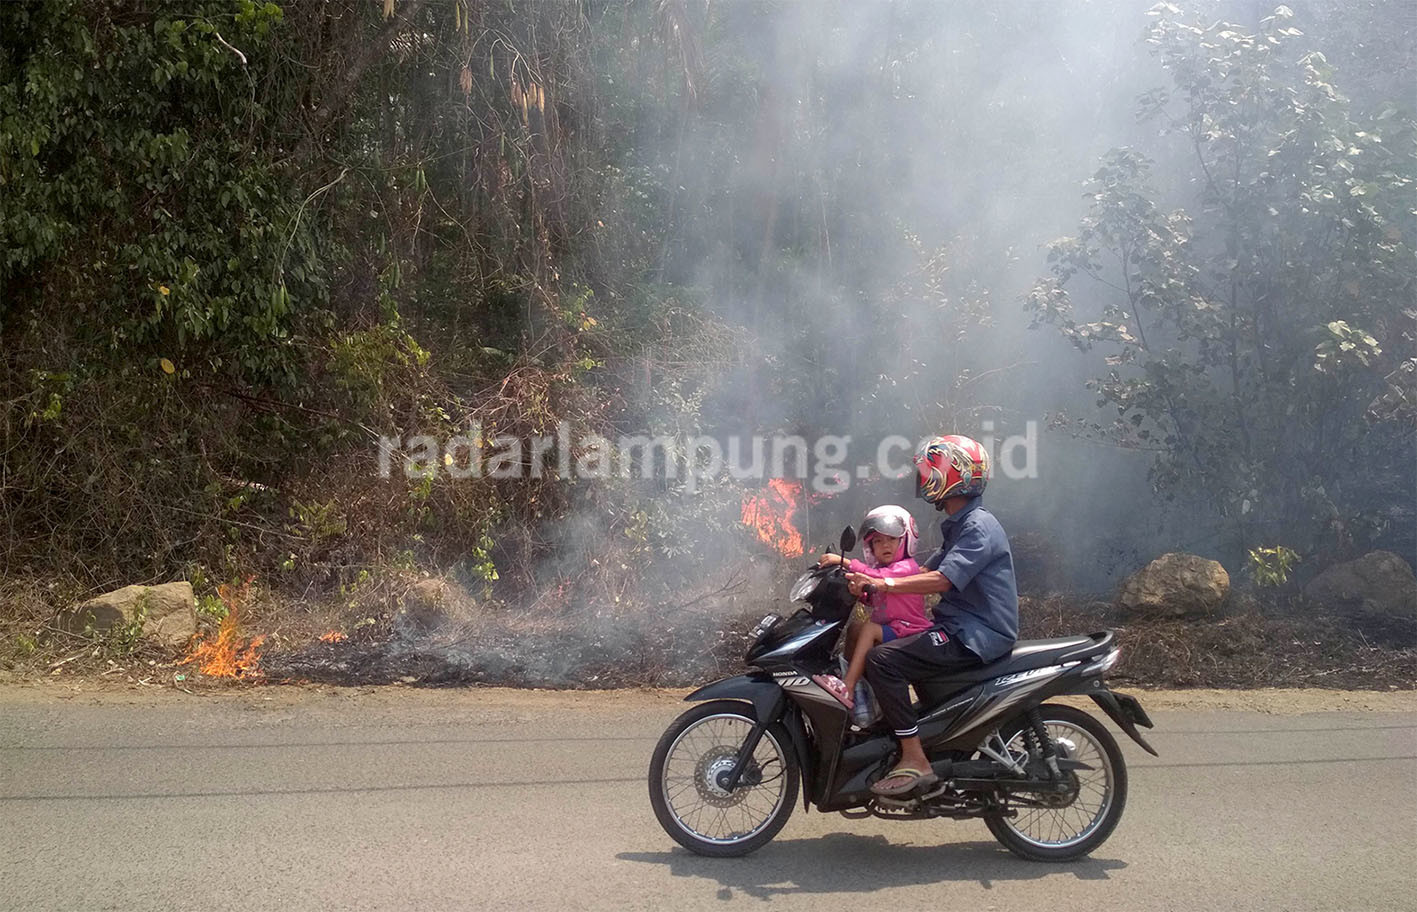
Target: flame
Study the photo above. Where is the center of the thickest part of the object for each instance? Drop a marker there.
(769, 514)
(334, 636)
(225, 657)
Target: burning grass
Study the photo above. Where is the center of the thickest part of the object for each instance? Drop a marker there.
(224, 657)
(769, 513)
(228, 654)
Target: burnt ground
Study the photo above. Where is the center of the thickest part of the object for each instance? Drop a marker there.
(1248, 647)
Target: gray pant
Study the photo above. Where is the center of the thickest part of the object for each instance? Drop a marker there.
(890, 667)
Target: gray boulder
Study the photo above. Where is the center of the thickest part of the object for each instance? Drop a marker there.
(169, 612)
(1175, 585)
(1378, 585)
(432, 604)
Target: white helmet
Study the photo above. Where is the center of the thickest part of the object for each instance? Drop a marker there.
(891, 520)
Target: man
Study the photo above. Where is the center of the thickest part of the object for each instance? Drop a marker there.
(977, 618)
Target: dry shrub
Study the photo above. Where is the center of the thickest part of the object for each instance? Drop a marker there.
(1260, 646)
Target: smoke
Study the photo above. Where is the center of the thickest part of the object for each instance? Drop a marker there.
(866, 191)
(858, 196)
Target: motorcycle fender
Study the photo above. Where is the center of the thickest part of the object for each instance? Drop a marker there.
(1126, 711)
(762, 691)
(806, 760)
(769, 705)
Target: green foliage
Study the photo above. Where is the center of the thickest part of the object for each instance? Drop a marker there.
(1348, 347)
(210, 607)
(137, 138)
(123, 639)
(1269, 567)
(1244, 338)
(318, 522)
(478, 568)
(241, 241)
(367, 363)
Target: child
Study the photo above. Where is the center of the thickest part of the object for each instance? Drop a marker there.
(889, 537)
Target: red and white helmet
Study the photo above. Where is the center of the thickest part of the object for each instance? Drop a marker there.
(951, 466)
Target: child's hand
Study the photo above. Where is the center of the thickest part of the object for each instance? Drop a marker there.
(830, 560)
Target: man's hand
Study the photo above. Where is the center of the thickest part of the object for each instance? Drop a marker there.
(857, 583)
(830, 560)
(927, 583)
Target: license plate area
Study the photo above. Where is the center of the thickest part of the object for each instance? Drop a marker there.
(1131, 708)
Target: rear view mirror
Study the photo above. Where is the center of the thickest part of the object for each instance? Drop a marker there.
(848, 540)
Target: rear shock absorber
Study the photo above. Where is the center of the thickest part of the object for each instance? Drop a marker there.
(1044, 743)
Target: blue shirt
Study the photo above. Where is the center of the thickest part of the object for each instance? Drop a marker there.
(981, 608)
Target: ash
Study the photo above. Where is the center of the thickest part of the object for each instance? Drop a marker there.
(607, 654)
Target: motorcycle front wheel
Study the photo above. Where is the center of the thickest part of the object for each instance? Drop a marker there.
(684, 781)
(1061, 827)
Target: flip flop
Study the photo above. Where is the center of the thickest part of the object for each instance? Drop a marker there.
(914, 779)
(836, 687)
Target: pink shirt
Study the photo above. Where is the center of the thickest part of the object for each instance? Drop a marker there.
(905, 614)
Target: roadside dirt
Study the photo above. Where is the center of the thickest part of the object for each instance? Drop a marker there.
(1252, 647)
(1277, 701)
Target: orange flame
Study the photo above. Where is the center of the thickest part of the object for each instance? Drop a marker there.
(769, 514)
(225, 657)
(334, 636)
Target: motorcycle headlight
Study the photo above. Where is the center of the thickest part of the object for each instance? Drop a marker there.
(806, 584)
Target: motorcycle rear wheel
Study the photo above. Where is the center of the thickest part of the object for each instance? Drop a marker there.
(694, 809)
(1099, 795)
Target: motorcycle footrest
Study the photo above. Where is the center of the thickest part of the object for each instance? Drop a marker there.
(934, 791)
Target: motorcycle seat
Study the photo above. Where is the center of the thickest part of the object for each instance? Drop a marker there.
(1025, 656)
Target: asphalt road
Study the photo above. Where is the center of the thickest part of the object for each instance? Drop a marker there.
(295, 799)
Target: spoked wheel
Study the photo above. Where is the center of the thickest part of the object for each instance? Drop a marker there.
(686, 781)
(1059, 826)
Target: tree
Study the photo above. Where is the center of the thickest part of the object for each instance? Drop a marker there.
(1255, 342)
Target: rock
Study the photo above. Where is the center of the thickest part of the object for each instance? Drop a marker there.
(430, 591)
(1175, 585)
(430, 604)
(1379, 585)
(169, 612)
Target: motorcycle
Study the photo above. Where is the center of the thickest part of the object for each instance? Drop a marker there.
(1048, 780)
